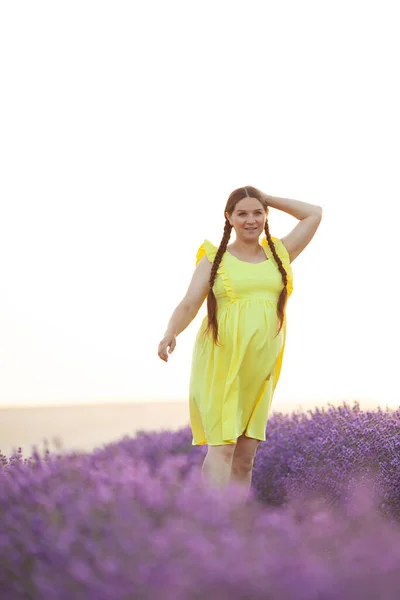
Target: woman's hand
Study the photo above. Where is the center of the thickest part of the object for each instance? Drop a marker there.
(168, 342)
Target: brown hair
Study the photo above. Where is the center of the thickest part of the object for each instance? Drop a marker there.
(233, 199)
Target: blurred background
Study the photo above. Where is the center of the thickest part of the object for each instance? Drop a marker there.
(124, 128)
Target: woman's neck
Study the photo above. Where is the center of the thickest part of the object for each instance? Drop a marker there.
(251, 248)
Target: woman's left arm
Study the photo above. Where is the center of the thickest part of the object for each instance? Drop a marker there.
(310, 216)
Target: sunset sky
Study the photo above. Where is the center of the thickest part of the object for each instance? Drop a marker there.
(124, 128)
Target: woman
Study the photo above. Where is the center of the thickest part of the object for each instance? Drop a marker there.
(238, 351)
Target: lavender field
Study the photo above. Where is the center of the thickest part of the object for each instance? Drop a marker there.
(131, 520)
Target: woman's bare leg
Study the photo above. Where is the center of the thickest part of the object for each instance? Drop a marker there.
(242, 463)
(216, 469)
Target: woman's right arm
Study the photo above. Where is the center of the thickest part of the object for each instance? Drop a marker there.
(187, 309)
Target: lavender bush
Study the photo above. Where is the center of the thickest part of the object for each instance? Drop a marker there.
(132, 520)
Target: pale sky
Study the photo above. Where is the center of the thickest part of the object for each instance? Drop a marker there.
(124, 128)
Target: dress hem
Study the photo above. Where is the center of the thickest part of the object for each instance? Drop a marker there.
(225, 443)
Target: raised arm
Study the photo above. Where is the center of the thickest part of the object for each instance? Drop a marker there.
(310, 216)
(187, 309)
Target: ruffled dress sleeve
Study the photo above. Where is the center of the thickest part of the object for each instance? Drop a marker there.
(206, 249)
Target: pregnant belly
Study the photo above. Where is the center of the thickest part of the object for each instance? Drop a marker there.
(252, 326)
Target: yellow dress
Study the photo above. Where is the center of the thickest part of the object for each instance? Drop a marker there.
(232, 385)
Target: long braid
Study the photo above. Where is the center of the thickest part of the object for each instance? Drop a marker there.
(284, 293)
(211, 300)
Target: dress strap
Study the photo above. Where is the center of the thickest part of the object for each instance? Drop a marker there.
(283, 255)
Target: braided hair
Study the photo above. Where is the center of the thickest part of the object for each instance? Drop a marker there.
(233, 199)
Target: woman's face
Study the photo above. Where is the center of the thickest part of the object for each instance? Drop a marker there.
(248, 218)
